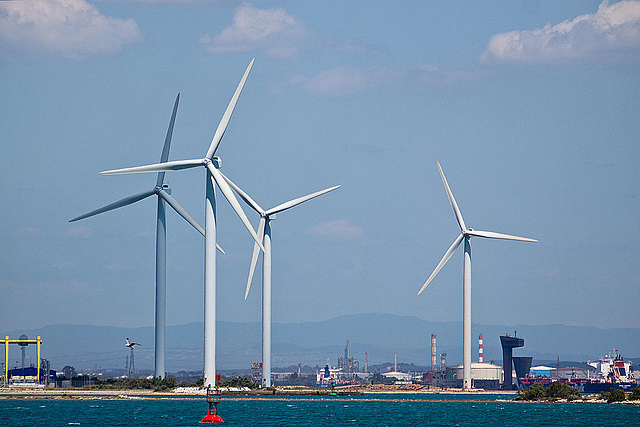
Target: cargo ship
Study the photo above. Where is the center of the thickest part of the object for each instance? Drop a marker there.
(611, 371)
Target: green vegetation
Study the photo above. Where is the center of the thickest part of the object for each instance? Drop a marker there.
(635, 394)
(555, 391)
(239, 382)
(613, 395)
(534, 392)
(156, 384)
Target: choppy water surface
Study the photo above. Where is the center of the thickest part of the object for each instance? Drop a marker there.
(377, 410)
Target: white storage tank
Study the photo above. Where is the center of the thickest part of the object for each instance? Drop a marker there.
(482, 371)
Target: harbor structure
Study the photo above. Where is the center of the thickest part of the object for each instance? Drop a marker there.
(22, 342)
(508, 344)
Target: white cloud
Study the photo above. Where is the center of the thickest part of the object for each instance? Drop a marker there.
(343, 81)
(348, 46)
(68, 28)
(272, 30)
(338, 229)
(612, 34)
(431, 74)
(335, 82)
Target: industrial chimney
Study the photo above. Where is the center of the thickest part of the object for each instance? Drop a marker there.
(480, 350)
(433, 352)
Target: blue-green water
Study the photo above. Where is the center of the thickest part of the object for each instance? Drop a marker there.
(387, 410)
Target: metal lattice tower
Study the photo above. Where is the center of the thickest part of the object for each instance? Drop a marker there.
(132, 365)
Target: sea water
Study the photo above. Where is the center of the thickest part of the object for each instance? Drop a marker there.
(375, 410)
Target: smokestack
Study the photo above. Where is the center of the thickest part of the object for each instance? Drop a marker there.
(433, 352)
(395, 362)
(480, 349)
(366, 363)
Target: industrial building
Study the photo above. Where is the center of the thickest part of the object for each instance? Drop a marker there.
(483, 375)
(346, 373)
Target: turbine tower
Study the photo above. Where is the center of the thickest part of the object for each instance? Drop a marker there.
(264, 234)
(163, 192)
(466, 234)
(211, 163)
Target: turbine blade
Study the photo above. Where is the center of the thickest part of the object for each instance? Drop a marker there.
(180, 210)
(184, 214)
(443, 261)
(167, 141)
(222, 127)
(494, 235)
(294, 202)
(157, 167)
(454, 205)
(228, 194)
(115, 205)
(244, 196)
(254, 257)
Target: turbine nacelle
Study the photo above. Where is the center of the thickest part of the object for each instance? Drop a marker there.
(158, 188)
(215, 161)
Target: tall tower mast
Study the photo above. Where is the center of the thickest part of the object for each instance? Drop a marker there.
(433, 352)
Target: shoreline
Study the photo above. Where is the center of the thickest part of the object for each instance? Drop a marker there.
(279, 391)
(345, 394)
(294, 393)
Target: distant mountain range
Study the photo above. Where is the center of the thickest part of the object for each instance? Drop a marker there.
(313, 343)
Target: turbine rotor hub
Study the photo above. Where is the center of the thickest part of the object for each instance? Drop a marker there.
(215, 161)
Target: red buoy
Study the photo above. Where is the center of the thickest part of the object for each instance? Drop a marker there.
(213, 398)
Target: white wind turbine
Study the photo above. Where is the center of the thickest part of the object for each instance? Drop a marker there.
(264, 233)
(163, 192)
(466, 234)
(211, 164)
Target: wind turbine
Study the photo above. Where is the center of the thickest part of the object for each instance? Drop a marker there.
(163, 192)
(466, 234)
(211, 164)
(264, 233)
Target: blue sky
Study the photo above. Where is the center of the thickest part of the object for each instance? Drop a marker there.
(531, 108)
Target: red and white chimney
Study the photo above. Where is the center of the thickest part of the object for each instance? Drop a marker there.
(480, 350)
